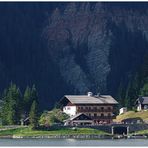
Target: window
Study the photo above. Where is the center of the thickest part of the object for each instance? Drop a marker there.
(109, 114)
(95, 108)
(68, 108)
(102, 115)
(109, 108)
(102, 108)
(95, 115)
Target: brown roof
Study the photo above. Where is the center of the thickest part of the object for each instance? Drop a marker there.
(85, 99)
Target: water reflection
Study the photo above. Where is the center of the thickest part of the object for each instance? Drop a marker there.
(73, 142)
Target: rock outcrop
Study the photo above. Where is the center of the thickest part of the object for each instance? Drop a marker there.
(86, 41)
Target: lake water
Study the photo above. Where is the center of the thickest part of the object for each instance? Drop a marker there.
(73, 142)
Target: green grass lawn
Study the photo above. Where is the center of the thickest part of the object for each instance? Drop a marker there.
(142, 132)
(132, 114)
(63, 131)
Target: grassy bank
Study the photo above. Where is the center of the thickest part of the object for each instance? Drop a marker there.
(132, 114)
(63, 131)
(142, 132)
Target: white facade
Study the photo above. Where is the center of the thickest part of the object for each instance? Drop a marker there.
(122, 110)
(139, 107)
(70, 110)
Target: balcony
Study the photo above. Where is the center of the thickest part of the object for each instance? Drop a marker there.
(95, 110)
(101, 118)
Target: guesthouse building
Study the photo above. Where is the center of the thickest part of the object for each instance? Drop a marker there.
(98, 108)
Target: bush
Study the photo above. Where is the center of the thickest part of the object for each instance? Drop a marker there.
(55, 116)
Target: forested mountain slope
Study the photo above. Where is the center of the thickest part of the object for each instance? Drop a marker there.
(72, 48)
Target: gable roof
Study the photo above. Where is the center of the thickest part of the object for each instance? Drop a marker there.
(85, 99)
(143, 100)
(78, 115)
(26, 119)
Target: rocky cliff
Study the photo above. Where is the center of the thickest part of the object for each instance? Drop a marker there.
(95, 46)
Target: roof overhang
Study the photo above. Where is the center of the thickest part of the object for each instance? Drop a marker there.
(64, 101)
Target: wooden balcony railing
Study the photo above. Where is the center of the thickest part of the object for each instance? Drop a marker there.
(95, 110)
(102, 117)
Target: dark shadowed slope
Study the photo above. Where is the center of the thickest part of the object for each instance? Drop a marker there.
(71, 48)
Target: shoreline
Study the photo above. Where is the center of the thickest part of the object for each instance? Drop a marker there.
(65, 133)
(80, 136)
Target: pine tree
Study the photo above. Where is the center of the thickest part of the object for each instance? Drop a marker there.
(132, 91)
(19, 102)
(11, 108)
(34, 94)
(29, 96)
(14, 107)
(14, 97)
(127, 97)
(144, 90)
(121, 95)
(33, 115)
(5, 107)
(27, 100)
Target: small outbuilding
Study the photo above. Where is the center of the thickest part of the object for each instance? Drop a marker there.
(25, 121)
(79, 119)
(137, 120)
(142, 103)
(122, 110)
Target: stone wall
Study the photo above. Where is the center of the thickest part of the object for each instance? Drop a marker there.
(108, 128)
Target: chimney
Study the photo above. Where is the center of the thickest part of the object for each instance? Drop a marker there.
(98, 94)
(89, 94)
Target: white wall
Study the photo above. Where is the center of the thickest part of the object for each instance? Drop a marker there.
(122, 110)
(70, 110)
(139, 107)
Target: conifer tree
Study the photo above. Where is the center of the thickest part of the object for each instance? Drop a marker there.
(29, 96)
(11, 105)
(5, 107)
(14, 106)
(144, 90)
(33, 115)
(34, 94)
(27, 100)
